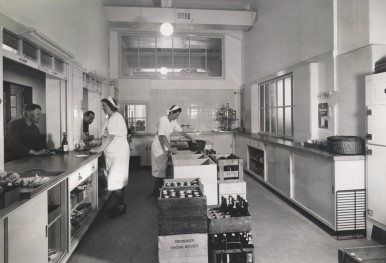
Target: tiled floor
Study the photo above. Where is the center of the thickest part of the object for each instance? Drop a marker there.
(280, 232)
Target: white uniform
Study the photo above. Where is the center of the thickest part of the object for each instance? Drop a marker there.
(117, 153)
(159, 154)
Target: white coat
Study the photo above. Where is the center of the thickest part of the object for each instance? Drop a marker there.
(160, 153)
(117, 153)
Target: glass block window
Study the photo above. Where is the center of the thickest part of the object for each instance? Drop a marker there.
(276, 106)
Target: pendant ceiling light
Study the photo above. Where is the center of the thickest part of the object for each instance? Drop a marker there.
(166, 28)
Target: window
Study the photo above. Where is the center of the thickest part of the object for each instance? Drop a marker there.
(276, 106)
(143, 56)
(135, 116)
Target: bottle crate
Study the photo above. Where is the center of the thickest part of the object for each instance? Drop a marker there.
(246, 255)
(189, 248)
(218, 223)
(233, 188)
(231, 247)
(182, 215)
(229, 166)
(183, 182)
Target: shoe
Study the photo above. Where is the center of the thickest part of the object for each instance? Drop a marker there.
(111, 209)
(118, 212)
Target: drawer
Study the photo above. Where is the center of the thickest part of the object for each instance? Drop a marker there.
(82, 174)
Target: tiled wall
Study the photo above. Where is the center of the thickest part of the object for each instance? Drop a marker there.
(199, 107)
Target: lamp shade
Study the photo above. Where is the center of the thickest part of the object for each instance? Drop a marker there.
(166, 29)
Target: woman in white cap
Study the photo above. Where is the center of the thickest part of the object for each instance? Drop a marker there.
(117, 153)
(161, 148)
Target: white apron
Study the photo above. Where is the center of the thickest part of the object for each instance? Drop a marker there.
(160, 153)
(117, 153)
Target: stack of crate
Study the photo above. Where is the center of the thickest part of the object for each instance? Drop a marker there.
(182, 222)
(226, 232)
(229, 176)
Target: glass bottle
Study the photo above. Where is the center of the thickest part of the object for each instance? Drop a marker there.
(64, 143)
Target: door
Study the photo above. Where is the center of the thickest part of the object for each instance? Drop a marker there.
(376, 183)
(15, 96)
(376, 126)
(27, 232)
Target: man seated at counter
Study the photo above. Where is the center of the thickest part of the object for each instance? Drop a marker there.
(22, 137)
(88, 118)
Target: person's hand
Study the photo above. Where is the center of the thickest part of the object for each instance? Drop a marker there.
(45, 152)
(173, 151)
(95, 150)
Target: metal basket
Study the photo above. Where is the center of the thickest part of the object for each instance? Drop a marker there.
(348, 145)
(198, 146)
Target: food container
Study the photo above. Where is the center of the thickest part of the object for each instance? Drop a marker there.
(8, 196)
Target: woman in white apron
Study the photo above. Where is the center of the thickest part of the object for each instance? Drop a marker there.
(161, 149)
(117, 153)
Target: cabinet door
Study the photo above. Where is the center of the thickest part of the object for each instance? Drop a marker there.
(375, 89)
(283, 170)
(270, 166)
(313, 185)
(376, 183)
(27, 232)
(376, 125)
(241, 149)
(141, 148)
(223, 143)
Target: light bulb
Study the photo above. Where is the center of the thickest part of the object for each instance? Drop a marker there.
(166, 29)
(163, 70)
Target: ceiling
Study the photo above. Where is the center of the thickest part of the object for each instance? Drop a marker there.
(241, 5)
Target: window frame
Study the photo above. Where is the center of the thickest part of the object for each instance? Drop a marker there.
(274, 105)
(169, 76)
(122, 107)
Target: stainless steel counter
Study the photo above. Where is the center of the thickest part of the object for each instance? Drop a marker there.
(297, 147)
(64, 163)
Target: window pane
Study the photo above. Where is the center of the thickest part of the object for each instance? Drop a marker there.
(130, 55)
(181, 56)
(273, 120)
(272, 95)
(214, 57)
(280, 121)
(267, 120)
(261, 120)
(198, 64)
(280, 93)
(140, 111)
(288, 121)
(266, 93)
(164, 55)
(261, 96)
(288, 91)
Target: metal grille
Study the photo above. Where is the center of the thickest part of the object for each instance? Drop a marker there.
(351, 214)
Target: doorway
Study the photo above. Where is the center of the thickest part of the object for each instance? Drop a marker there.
(15, 97)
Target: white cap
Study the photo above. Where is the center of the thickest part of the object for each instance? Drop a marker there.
(175, 107)
(109, 98)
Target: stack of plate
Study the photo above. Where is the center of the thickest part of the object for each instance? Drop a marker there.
(380, 65)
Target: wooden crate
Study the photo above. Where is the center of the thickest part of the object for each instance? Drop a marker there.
(205, 169)
(182, 215)
(228, 169)
(233, 188)
(189, 156)
(227, 225)
(245, 255)
(181, 180)
(183, 248)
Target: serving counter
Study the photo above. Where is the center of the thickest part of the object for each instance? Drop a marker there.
(319, 182)
(48, 226)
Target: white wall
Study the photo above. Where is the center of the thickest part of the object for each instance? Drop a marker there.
(78, 26)
(286, 33)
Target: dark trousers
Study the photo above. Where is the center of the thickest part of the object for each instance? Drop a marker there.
(158, 182)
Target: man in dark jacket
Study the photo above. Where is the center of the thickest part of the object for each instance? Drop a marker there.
(22, 137)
